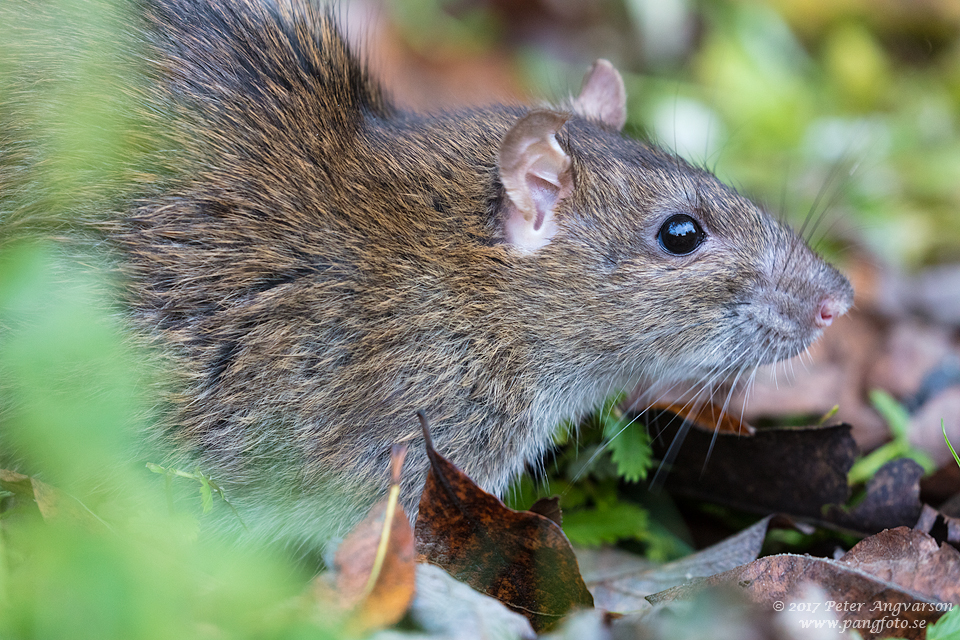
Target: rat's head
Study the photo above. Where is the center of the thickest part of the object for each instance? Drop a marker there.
(662, 268)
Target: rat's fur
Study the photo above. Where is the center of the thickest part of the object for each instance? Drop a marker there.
(319, 265)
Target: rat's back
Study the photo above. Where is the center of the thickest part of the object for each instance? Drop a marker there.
(306, 258)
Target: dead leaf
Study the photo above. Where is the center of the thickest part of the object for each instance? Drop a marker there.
(626, 591)
(910, 350)
(518, 557)
(375, 565)
(548, 508)
(447, 609)
(714, 614)
(588, 624)
(927, 519)
(930, 294)
(892, 500)
(942, 489)
(892, 584)
(911, 559)
(787, 470)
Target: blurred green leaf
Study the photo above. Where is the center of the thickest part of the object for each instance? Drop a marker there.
(895, 415)
(593, 527)
(947, 627)
(857, 65)
(898, 420)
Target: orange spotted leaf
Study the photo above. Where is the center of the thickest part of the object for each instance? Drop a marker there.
(521, 558)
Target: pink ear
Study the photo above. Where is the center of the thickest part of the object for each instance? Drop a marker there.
(535, 172)
(603, 96)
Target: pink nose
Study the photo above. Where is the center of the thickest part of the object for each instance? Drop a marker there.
(829, 309)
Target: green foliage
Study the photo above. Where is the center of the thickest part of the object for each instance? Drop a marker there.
(899, 422)
(609, 453)
(627, 440)
(606, 524)
(428, 27)
(828, 415)
(71, 403)
(68, 379)
(785, 110)
(66, 125)
(892, 411)
(947, 627)
(207, 487)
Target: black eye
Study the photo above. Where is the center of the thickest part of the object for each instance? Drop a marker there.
(680, 235)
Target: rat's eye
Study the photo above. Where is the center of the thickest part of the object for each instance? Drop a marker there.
(680, 235)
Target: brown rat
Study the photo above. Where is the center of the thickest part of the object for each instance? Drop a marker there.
(318, 265)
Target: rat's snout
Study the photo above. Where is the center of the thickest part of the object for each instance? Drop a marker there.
(829, 309)
(836, 302)
(801, 297)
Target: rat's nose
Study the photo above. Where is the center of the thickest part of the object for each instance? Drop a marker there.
(829, 309)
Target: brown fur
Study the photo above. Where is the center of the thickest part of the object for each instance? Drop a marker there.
(319, 266)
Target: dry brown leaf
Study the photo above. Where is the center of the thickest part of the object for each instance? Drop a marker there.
(707, 416)
(447, 609)
(523, 559)
(893, 584)
(929, 523)
(375, 565)
(892, 500)
(910, 350)
(942, 489)
(911, 559)
(790, 470)
(625, 591)
(548, 508)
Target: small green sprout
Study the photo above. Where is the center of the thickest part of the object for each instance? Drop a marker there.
(207, 486)
(828, 415)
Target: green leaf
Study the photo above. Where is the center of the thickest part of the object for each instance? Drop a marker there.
(892, 411)
(206, 492)
(899, 421)
(662, 545)
(593, 527)
(630, 451)
(627, 441)
(947, 627)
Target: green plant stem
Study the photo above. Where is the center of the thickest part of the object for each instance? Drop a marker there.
(947, 440)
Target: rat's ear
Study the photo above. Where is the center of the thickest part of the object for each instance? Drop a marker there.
(603, 96)
(535, 172)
